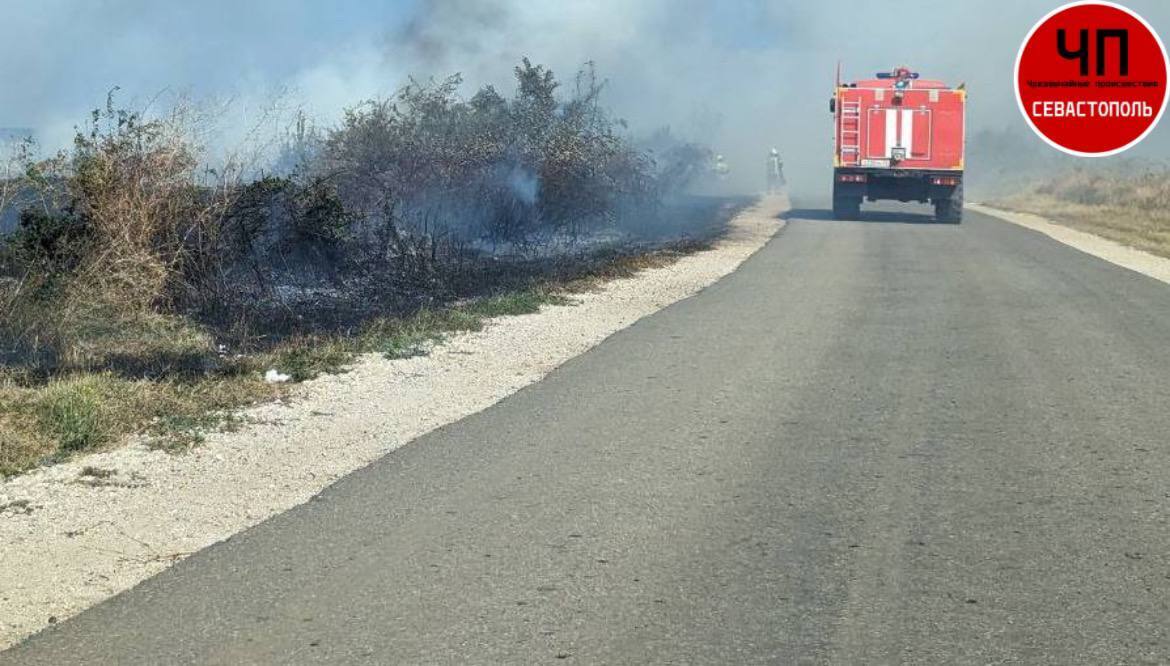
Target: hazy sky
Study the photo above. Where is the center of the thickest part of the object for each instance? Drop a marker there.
(742, 75)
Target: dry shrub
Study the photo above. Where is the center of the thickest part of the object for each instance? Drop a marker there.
(128, 217)
(140, 187)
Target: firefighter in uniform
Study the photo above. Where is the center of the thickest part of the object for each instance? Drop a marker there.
(775, 172)
(720, 168)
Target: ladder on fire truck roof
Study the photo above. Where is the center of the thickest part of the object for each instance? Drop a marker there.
(850, 139)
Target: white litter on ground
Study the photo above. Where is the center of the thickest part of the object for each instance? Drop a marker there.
(274, 376)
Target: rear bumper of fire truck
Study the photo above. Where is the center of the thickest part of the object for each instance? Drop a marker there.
(874, 184)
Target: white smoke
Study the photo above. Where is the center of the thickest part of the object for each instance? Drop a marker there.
(740, 76)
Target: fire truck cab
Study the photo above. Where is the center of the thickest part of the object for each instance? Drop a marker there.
(901, 137)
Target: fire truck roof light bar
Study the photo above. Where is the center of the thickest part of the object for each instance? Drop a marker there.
(894, 75)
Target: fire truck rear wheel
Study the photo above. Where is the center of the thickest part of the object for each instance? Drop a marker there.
(846, 208)
(949, 210)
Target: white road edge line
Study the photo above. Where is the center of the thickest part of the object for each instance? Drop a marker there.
(1115, 253)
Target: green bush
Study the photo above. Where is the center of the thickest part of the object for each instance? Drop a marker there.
(76, 413)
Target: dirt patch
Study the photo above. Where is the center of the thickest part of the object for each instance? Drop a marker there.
(104, 522)
(1110, 250)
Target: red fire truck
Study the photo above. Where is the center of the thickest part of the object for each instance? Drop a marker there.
(899, 137)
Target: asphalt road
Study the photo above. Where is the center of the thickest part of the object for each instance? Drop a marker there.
(878, 442)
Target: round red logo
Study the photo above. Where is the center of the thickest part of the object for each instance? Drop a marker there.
(1091, 78)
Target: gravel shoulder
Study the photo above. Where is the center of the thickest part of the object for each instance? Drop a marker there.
(1103, 248)
(77, 533)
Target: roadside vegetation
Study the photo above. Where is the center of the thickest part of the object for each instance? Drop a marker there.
(1129, 203)
(148, 288)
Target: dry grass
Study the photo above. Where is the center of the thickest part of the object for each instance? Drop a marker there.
(617, 264)
(161, 377)
(41, 424)
(1132, 209)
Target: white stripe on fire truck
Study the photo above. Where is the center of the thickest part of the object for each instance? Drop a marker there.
(891, 131)
(908, 131)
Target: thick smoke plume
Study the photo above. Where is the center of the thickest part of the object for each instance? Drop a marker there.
(741, 77)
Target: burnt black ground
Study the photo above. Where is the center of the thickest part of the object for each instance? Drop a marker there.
(883, 441)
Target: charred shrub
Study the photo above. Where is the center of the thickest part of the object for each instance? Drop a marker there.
(412, 200)
(490, 170)
(320, 227)
(48, 244)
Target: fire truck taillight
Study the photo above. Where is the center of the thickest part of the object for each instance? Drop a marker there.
(852, 178)
(944, 180)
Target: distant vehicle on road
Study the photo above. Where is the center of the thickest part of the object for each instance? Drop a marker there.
(898, 136)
